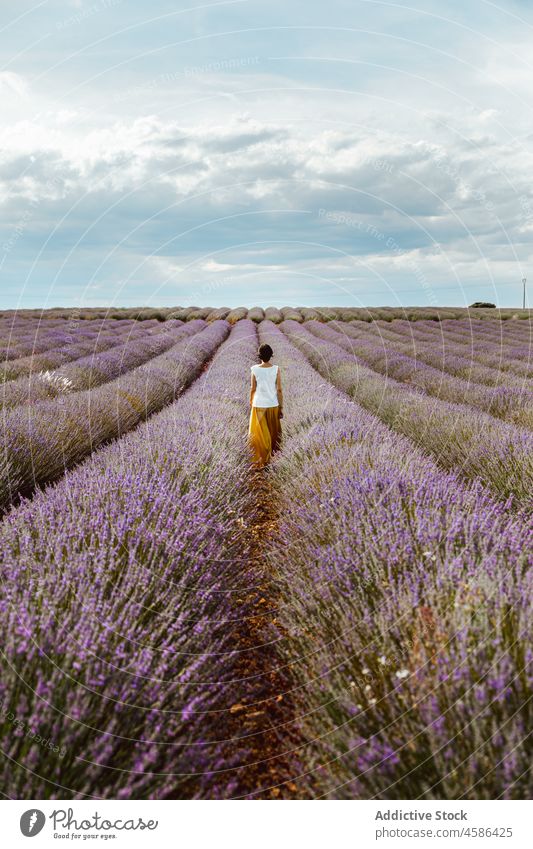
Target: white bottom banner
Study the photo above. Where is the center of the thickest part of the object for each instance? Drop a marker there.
(260, 824)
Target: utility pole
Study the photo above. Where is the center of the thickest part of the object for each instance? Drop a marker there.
(524, 293)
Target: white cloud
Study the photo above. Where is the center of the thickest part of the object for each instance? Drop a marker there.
(121, 160)
(13, 84)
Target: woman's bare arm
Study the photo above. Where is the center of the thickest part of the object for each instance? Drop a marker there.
(280, 391)
(253, 387)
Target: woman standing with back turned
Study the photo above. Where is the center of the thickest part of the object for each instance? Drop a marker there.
(266, 401)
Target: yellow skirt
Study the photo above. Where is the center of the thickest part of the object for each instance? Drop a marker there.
(264, 433)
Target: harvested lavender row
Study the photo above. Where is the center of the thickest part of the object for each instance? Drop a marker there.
(40, 441)
(290, 314)
(215, 314)
(256, 314)
(308, 314)
(72, 346)
(408, 607)
(115, 603)
(510, 403)
(236, 314)
(273, 314)
(98, 368)
(474, 443)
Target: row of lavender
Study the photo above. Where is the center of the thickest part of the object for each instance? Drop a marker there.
(439, 352)
(41, 440)
(122, 587)
(513, 403)
(480, 337)
(481, 330)
(508, 355)
(407, 609)
(20, 319)
(40, 336)
(33, 340)
(305, 416)
(95, 368)
(491, 362)
(512, 351)
(472, 442)
(475, 335)
(82, 344)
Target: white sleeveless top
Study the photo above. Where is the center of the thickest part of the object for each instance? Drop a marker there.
(266, 393)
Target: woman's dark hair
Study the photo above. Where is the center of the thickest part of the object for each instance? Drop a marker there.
(265, 353)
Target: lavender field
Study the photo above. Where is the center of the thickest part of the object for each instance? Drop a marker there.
(354, 622)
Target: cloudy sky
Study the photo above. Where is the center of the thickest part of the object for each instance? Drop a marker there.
(287, 153)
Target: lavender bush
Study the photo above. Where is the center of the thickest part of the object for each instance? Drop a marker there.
(119, 617)
(90, 371)
(161, 602)
(41, 338)
(256, 314)
(477, 445)
(291, 314)
(72, 345)
(236, 315)
(486, 354)
(437, 353)
(273, 314)
(48, 437)
(511, 403)
(219, 313)
(407, 608)
(309, 314)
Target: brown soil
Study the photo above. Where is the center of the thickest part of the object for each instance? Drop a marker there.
(265, 714)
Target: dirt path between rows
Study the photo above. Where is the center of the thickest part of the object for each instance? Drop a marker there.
(265, 714)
